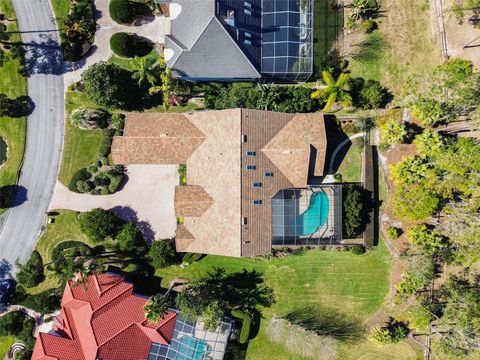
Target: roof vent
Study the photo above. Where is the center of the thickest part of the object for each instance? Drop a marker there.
(163, 135)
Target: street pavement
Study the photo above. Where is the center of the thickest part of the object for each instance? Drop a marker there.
(23, 223)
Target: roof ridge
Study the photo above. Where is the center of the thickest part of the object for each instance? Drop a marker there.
(130, 287)
(237, 46)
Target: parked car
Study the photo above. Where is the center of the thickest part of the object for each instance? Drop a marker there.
(7, 288)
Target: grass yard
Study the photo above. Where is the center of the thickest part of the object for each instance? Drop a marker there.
(354, 284)
(81, 147)
(13, 85)
(65, 227)
(327, 26)
(5, 343)
(127, 63)
(406, 26)
(351, 164)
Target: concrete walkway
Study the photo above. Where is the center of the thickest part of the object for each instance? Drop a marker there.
(147, 199)
(153, 29)
(23, 222)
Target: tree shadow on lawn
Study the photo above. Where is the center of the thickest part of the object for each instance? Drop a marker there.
(12, 196)
(335, 136)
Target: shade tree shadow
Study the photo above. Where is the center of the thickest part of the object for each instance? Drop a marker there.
(44, 57)
(5, 269)
(128, 214)
(12, 196)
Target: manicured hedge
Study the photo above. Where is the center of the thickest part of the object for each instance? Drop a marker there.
(129, 45)
(80, 175)
(122, 11)
(246, 325)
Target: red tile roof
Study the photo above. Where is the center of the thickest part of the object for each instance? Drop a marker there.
(102, 320)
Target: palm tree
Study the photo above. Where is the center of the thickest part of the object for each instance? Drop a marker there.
(145, 69)
(333, 91)
(90, 267)
(156, 308)
(363, 9)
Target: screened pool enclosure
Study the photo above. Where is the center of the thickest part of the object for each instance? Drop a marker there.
(287, 39)
(310, 216)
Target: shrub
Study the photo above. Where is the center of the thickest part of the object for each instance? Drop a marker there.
(45, 302)
(373, 95)
(391, 334)
(90, 118)
(14, 108)
(352, 211)
(115, 181)
(31, 273)
(394, 132)
(11, 323)
(118, 121)
(123, 44)
(190, 258)
(393, 233)
(161, 253)
(130, 239)
(414, 202)
(99, 224)
(122, 11)
(246, 320)
(357, 249)
(80, 175)
(110, 86)
(338, 177)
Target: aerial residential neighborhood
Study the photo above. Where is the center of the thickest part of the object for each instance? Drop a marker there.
(243, 180)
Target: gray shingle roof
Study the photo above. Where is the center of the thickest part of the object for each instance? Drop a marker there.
(203, 48)
(215, 55)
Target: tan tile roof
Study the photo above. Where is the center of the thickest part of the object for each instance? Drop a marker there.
(219, 191)
(291, 148)
(153, 138)
(191, 200)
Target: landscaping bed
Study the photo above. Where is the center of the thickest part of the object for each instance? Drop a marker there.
(12, 130)
(77, 25)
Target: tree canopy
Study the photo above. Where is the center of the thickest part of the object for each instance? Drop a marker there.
(31, 273)
(99, 224)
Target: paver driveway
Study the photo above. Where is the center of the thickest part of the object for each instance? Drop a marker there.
(146, 199)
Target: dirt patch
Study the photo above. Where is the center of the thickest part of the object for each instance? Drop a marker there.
(463, 40)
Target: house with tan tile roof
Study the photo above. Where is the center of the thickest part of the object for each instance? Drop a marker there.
(237, 161)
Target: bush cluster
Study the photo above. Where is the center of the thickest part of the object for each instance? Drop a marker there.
(97, 179)
(129, 45)
(122, 11)
(85, 118)
(352, 211)
(99, 224)
(31, 273)
(79, 29)
(161, 253)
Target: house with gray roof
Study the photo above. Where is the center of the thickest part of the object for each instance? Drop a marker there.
(232, 40)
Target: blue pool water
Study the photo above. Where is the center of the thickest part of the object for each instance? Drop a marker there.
(191, 348)
(315, 216)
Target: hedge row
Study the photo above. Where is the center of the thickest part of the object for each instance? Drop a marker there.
(246, 325)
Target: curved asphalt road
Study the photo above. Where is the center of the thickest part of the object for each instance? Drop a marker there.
(23, 223)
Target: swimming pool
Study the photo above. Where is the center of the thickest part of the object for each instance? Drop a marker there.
(191, 349)
(315, 216)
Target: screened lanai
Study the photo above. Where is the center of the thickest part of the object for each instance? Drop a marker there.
(310, 216)
(287, 39)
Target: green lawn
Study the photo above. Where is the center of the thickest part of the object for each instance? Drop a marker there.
(354, 284)
(127, 63)
(327, 27)
(351, 165)
(81, 147)
(13, 85)
(64, 228)
(406, 27)
(5, 343)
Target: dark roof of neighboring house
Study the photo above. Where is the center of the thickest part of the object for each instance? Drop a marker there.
(102, 319)
(203, 48)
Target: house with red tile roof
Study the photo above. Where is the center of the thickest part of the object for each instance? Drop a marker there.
(104, 319)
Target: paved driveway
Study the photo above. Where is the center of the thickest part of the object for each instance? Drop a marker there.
(154, 29)
(146, 199)
(23, 222)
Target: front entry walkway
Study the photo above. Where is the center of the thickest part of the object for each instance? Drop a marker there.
(147, 199)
